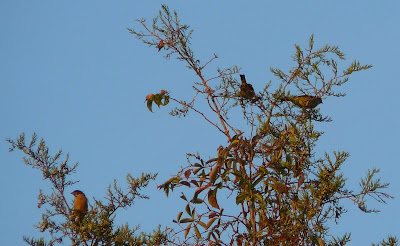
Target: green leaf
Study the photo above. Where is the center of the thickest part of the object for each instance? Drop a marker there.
(188, 211)
(233, 143)
(166, 100)
(197, 200)
(149, 104)
(258, 181)
(259, 197)
(186, 220)
(241, 197)
(157, 99)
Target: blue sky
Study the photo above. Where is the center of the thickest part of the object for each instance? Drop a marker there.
(72, 73)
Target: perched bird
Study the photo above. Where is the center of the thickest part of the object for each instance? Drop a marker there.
(305, 101)
(246, 89)
(80, 205)
(160, 45)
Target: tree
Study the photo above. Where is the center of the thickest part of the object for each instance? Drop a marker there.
(276, 189)
(284, 192)
(97, 226)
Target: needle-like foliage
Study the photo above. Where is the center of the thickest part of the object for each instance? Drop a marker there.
(266, 185)
(97, 227)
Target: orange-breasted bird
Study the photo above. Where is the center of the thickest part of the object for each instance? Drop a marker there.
(246, 89)
(160, 45)
(305, 101)
(80, 205)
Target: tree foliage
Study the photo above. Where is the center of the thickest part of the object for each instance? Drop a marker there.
(265, 185)
(278, 189)
(390, 241)
(98, 226)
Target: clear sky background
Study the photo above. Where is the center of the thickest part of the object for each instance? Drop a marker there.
(72, 73)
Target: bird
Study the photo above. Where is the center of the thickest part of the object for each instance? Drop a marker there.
(305, 101)
(80, 205)
(160, 45)
(246, 89)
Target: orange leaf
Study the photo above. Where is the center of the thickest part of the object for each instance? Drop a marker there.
(213, 174)
(179, 216)
(194, 182)
(202, 224)
(212, 198)
(210, 222)
(187, 230)
(187, 173)
(196, 230)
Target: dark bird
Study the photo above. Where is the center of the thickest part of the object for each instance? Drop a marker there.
(305, 101)
(246, 89)
(80, 205)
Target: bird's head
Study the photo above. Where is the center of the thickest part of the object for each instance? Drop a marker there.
(77, 192)
(243, 78)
